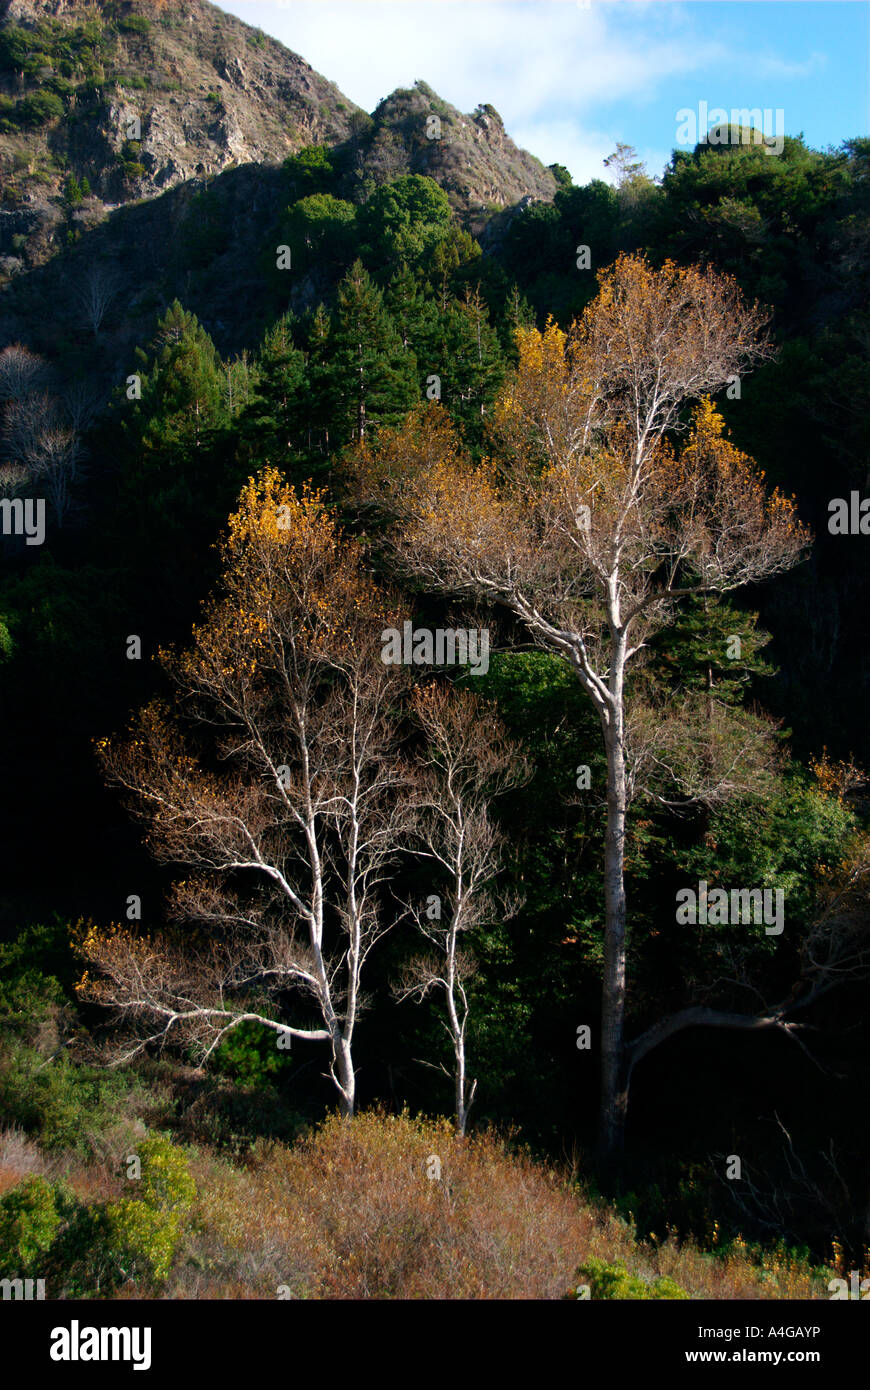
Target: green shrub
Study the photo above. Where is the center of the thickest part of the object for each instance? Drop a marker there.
(39, 108)
(165, 1182)
(142, 1232)
(248, 1054)
(140, 1241)
(134, 24)
(80, 1263)
(102, 1245)
(29, 1222)
(62, 1105)
(615, 1282)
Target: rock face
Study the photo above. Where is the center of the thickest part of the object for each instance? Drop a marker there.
(24, 11)
(138, 97)
(471, 157)
(206, 90)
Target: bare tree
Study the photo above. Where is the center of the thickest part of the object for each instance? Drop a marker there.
(82, 403)
(96, 292)
(36, 437)
(589, 523)
(468, 761)
(290, 844)
(21, 372)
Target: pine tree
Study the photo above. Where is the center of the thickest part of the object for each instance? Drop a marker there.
(182, 394)
(272, 422)
(372, 379)
(469, 362)
(412, 313)
(177, 470)
(518, 313)
(315, 415)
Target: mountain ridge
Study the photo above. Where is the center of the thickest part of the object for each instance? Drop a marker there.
(127, 100)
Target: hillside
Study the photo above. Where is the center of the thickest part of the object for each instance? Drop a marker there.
(471, 157)
(209, 94)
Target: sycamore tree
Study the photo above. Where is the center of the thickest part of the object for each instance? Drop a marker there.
(275, 776)
(600, 508)
(467, 760)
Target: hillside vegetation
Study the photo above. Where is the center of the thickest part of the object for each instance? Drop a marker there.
(286, 422)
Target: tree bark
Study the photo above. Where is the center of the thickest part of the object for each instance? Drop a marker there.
(346, 1077)
(614, 1090)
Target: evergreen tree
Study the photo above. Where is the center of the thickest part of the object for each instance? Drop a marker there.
(372, 378)
(315, 418)
(182, 392)
(405, 220)
(177, 475)
(469, 362)
(413, 314)
(271, 424)
(518, 313)
(319, 230)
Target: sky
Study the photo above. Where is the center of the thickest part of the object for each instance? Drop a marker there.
(570, 78)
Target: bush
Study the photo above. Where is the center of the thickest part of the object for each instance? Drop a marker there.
(232, 1119)
(39, 108)
(107, 1243)
(62, 1105)
(29, 1222)
(134, 24)
(614, 1281)
(142, 1232)
(141, 1241)
(165, 1182)
(249, 1055)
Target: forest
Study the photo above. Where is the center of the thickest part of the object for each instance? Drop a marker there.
(435, 744)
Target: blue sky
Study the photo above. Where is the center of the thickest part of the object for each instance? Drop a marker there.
(571, 77)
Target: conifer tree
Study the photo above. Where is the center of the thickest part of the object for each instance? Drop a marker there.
(272, 421)
(173, 488)
(412, 313)
(315, 419)
(372, 379)
(469, 361)
(181, 394)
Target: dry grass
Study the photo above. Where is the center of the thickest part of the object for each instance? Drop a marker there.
(94, 1179)
(20, 1158)
(349, 1212)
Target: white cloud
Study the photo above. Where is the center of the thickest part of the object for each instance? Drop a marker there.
(554, 60)
(780, 67)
